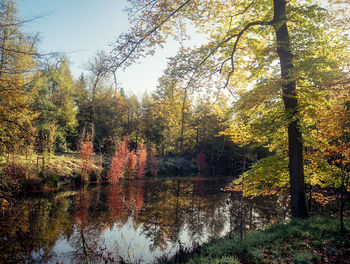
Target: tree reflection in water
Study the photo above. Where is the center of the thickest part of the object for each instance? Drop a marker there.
(115, 202)
(135, 219)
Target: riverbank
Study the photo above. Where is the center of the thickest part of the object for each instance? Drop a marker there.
(42, 173)
(37, 173)
(315, 240)
(55, 170)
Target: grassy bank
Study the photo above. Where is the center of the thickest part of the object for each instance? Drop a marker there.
(20, 173)
(315, 240)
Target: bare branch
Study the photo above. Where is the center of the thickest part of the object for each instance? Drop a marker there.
(25, 21)
(147, 34)
(36, 54)
(19, 51)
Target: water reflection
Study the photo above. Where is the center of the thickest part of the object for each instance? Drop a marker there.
(135, 220)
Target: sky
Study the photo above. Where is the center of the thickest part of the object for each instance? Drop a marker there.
(80, 28)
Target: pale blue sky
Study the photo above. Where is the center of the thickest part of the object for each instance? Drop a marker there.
(82, 27)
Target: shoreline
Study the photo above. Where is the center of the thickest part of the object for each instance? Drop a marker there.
(314, 240)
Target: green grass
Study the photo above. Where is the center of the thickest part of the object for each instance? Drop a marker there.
(58, 170)
(317, 239)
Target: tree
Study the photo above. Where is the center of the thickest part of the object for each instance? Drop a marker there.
(57, 90)
(101, 107)
(99, 72)
(63, 99)
(152, 124)
(173, 100)
(332, 130)
(81, 99)
(263, 45)
(290, 99)
(134, 116)
(46, 116)
(17, 82)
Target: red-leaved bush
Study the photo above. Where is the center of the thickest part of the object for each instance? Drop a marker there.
(116, 170)
(117, 166)
(131, 161)
(126, 162)
(85, 151)
(200, 160)
(123, 148)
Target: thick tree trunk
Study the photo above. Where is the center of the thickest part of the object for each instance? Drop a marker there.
(295, 144)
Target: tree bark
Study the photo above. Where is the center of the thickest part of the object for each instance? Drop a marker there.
(295, 141)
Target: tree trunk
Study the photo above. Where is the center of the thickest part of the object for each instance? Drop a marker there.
(5, 36)
(242, 201)
(341, 212)
(183, 121)
(342, 198)
(295, 144)
(197, 139)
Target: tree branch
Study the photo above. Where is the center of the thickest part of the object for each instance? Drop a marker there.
(147, 34)
(25, 21)
(239, 35)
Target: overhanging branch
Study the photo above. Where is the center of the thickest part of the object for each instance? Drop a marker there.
(147, 34)
(238, 36)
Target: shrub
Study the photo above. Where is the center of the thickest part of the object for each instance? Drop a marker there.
(85, 151)
(119, 160)
(116, 169)
(127, 163)
(131, 161)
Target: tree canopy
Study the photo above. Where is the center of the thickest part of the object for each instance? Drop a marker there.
(279, 59)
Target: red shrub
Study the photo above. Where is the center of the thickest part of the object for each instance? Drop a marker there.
(85, 151)
(116, 170)
(131, 162)
(117, 167)
(126, 162)
(123, 148)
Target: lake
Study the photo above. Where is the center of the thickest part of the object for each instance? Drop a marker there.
(136, 220)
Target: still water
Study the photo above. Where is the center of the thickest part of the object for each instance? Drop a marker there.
(136, 221)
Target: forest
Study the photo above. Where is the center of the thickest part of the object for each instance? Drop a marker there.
(262, 107)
